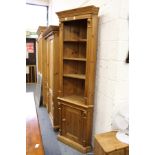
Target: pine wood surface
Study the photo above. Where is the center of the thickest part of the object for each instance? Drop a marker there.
(33, 135)
(50, 63)
(107, 144)
(40, 31)
(78, 38)
(73, 99)
(77, 59)
(76, 76)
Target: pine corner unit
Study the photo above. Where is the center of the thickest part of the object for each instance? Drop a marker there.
(51, 72)
(78, 36)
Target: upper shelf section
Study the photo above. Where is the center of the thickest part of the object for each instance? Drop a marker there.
(75, 31)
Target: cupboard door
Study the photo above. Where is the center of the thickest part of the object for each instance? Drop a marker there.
(72, 123)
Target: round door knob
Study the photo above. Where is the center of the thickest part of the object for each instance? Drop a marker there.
(64, 119)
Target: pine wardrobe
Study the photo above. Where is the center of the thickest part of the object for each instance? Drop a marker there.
(51, 71)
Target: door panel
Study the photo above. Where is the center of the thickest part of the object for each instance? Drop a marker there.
(72, 123)
(50, 74)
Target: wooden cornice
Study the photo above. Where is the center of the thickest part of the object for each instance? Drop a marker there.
(50, 30)
(41, 29)
(78, 11)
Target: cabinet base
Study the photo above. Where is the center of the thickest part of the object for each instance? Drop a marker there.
(74, 145)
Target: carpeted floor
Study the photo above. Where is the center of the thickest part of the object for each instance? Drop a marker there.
(49, 136)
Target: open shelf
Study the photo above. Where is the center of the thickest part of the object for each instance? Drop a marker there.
(74, 67)
(73, 99)
(75, 30)
(74, 49)
(73, 85)
(76, 59)
(76, 76)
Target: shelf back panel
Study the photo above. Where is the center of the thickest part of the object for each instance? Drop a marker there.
(74, 67)
(75, 49)
(73, 86)
(75, 30)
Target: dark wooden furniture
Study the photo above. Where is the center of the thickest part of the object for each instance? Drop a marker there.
(107, 144)
(78, 38)
(31, 76)
(31, 60)
(51, 36)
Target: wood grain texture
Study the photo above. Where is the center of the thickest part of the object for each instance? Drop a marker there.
(107, 144)
(44, 73)
(75, 125)
(33, 135)
(53, 74)
(78, 34)
(40, 31)
(84, 12)
(50, 72)
(31, 77)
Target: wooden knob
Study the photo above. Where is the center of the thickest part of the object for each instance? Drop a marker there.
(64, 119)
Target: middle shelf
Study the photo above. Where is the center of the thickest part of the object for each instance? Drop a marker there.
(76, 59)
(77, 76)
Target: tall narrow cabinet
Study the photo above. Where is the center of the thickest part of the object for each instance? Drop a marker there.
(78, 36)
(51, 36)
(40, 31)
(40, 57)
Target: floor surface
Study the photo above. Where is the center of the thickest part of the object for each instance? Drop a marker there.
(49, 137)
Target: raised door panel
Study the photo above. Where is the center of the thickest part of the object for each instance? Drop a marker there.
(50, 75)
(51, 108)
(72, 123)
(51, 67)
(53, 79)
(45, 80)
(47, 74)
(43, 75)
(56, 60)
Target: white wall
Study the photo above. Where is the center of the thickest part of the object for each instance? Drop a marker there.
(38, 2)
(60, 5)
(111, 90)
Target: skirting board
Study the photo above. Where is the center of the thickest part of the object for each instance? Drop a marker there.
(74, 144)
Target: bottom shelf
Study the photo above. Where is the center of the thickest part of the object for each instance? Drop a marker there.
(73, 99)
(74, 144)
